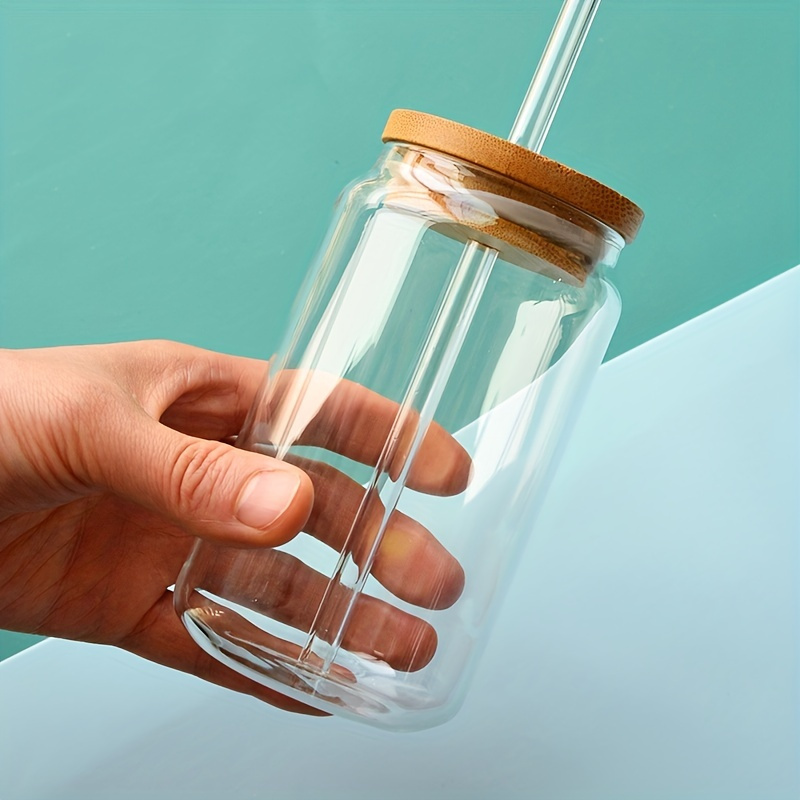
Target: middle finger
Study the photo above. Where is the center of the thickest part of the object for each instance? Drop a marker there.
(410, 562)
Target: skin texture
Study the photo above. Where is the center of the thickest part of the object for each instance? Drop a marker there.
(113, 461)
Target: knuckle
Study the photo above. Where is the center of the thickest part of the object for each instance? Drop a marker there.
(199, 473)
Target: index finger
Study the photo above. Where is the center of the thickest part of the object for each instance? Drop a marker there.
(321, 410)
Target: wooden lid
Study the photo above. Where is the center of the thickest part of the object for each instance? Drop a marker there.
(519, 164)
(516, 244)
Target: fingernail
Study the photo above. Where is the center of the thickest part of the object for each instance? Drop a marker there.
(265, 497)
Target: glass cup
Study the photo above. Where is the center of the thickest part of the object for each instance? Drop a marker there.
(440, 349)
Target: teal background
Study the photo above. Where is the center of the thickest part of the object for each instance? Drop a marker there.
(167, 169)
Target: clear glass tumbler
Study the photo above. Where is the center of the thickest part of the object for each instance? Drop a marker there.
(440, 349)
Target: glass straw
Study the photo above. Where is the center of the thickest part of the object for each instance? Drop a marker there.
(552, 74)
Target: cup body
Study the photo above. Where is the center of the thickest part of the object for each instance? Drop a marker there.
(426, 383)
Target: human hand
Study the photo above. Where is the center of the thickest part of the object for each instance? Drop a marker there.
(112, 463)
(314, 418)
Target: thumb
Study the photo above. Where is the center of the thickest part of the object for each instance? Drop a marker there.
(214, 491)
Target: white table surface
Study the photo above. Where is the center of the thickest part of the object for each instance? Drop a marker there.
(649, 646)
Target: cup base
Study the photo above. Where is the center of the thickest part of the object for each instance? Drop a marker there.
(339, 690)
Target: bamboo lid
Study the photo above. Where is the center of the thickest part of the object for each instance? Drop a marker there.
(517, 163)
